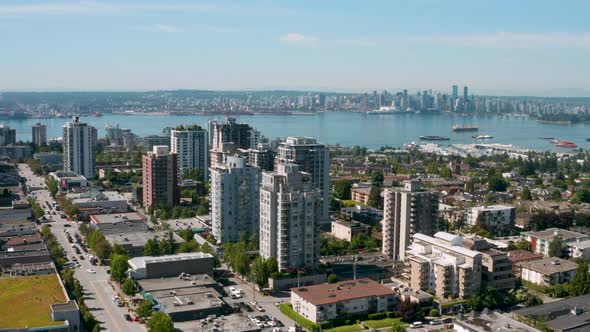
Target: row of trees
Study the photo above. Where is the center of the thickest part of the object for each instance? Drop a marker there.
(330, 246)
(37, 209)
(71, 284)
(96, 241)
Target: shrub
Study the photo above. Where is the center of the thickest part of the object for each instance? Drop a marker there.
(377, 316)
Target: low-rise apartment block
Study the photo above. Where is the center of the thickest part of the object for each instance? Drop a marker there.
(541, 240)
(443, 265)
(329, 301)
(347, 230)
(548, 271)
(498, 219)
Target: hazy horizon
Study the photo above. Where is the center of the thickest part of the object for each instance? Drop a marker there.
(504, 48)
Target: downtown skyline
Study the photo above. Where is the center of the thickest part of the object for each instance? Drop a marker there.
(528, 48)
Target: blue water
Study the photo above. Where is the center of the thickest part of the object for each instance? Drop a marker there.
(348, 129)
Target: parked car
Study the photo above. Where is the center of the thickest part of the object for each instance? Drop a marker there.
(127, 317)
(91, 271)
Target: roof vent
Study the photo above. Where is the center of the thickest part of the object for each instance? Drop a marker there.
(302, 289)
(556, 262)
(332, 295)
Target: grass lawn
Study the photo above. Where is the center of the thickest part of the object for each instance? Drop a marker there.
(385, 322)
(351, 203)
(346, 328)
(26, 301)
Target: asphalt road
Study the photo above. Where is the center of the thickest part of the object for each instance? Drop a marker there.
(97, 291)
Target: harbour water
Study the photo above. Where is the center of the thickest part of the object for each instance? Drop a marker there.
(348, 129)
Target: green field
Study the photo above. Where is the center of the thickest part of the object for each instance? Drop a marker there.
(385, 322)
(26, 301)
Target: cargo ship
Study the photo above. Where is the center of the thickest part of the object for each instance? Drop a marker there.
(465, 128)
(564, 144)
(434, 138)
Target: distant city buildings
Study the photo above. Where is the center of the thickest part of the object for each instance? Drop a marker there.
(190, 145)
(407, 211)
(234, 200)
(160, 178)
(290, 211)
(39, 137)
(79, 148)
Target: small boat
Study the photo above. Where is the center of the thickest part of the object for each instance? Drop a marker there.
(434, 138)
(547, 137)
(564, 144)
(483, 136)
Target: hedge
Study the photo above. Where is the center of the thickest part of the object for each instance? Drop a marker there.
(377, 316)
(287, 309)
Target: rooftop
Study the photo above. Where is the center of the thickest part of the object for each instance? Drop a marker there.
(497, 207)
(520, 255)
(559, 314)
(117, 217)
(188, 299)
(581, 244)
(140, 262)
(342, 291)
(492, 321)
(158, 284)
(550, 265)
(550, 233)
(29, 299)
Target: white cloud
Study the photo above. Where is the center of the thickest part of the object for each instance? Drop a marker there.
(298, 39)
(168, 28)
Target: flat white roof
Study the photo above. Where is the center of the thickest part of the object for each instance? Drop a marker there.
(457, 249)
(496, 207)
(140, 262)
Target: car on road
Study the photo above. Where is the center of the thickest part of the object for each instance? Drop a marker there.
(260, 308)
(254, 303)
(127, 317)
(415, 325)
(434, 322)
(82, 257)
(67, 225)
(91, 271)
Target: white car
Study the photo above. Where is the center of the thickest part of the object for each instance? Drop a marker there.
(416, 324)
(91, 271)
(260, 308)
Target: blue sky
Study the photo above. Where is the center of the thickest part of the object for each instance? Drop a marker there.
(499, 47)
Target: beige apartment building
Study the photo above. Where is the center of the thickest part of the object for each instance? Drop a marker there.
(443, 265)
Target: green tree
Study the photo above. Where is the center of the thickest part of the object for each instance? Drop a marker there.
(271, 265)
(258, 272)
(119, 250)
(375, 200)
(342, 189)
(497, 183)
(190, 246)
(433, 313)
(332, 278)
(119, 267)
(144, 309)
(581, 283)
(556, 195)
(52, 186)
(398, 326)
(160, 322)
(523, 245)
(557, 248)
(129, 287)
(151, 248)
(446, 172)
(581, 196)
(526, 194)
(206, 248)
